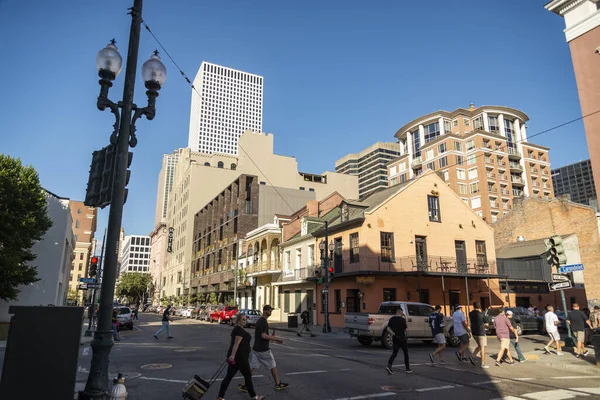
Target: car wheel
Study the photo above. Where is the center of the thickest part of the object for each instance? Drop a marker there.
(453, 339)
(365, 341)
(387, 340)
(519, 329)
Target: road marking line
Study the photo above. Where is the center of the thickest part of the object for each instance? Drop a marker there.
(508, 398)
(345, 369)
(402, 365)
(368, 396)
(163, 379)
(488, 382)
(524, 379)
(137, 328)
(429, 389)
(572, 377)
(306, 372)
(558, 394)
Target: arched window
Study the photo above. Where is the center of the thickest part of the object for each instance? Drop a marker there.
(207, 164)
(220, 164)
(233, 166)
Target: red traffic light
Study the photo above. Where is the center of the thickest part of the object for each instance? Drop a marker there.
(94, 260)
(331, 270)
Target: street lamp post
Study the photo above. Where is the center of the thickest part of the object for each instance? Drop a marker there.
(326, 259)
(109, 63)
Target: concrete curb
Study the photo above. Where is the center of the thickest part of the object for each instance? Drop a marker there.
(588, 369)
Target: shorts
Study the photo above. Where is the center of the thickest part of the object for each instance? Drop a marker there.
(504, 343)
(262, 358)
(439, 338)
(481, 340)
(580, 335)
(464, 339)
(554, 335)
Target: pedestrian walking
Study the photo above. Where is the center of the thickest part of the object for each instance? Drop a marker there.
(166, 319)
(479, 323)
(238, 358)
(115, 325)
(551, 324)
(578, 322)
(305, 323)
(261, 353)
(135, 313)
(514, 337)
(436, 322)
(463, 333)
(503, 328)
(595, 319)
(397, 328)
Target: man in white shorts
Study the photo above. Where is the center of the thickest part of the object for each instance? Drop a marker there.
(551, 322)
(436, 322)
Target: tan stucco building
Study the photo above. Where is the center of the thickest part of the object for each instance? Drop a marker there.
(582, 31)
(199, 178)
(481, 152)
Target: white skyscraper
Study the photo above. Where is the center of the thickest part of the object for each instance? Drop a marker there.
(135, 256)
(230, 103)
(165, 183)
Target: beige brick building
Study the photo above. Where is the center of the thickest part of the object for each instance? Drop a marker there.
(84, 228)
(482, 153)
(539, 219)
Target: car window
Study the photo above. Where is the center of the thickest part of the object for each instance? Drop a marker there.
(492, 312)
(388, 309)
(124, 311)
(426, 310)
(414, 310)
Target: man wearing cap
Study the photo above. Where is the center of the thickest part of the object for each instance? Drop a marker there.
(503, 328)
(462, 332)
(261, 354)
(514, 337)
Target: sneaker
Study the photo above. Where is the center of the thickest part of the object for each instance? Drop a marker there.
(577, 356)
(431, 358)
(389, 370)
(281, 386)
(585, 353)
(560, 353)
(442, 362)
(547, 350)
(409, 371)
(485, 366)
(258, 397)
(471, 360)
(155, 337)
(298, 333)
(523, 360)
(242, 388)
(497, 363)
(459, 356)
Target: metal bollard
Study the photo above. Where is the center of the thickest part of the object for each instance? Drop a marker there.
(118, 390)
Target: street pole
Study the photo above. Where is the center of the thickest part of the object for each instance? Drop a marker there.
(326, 326)
(235, 281)
(97, 382)
(569, 340)
(92, 309)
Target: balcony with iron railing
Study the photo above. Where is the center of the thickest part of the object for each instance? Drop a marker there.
(263, 268)
(513, 153)
(492, 190)
(416, 162)
(505, 192)
(506, 206)
(517, 193)
(517, 180)
(502, 177)
(515, 166)
(491, 175)
(488, 160)
(431, 264)
(493, 204)
(533, 171)
(298, 274)
(501, 163)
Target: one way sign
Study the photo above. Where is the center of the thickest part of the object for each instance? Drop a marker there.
(559, 278)
(559, 286)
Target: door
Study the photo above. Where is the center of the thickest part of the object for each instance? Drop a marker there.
(454, 299)
(416, 321)
(421, 252)
(298, 302)
(461, 256)
(337, 256)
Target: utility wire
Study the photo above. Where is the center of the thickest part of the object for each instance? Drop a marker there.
(187, 79)
(505, 146)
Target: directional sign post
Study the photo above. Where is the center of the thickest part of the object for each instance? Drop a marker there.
(570, 268)
(559, 285)
(87, 280)
(559, 278)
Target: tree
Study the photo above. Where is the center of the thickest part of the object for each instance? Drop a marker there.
(133, 285)
(24, 221)
(212, 299)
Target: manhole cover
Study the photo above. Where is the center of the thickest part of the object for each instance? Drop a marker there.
(126, 375)
(185, 350)
(390, 388)
(156, 366)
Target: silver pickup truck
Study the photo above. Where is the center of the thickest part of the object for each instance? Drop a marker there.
(372, 327)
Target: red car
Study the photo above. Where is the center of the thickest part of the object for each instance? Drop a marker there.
(226, 314)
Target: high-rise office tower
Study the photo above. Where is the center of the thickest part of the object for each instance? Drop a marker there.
(576, 180)
(165, 183)
(370, 165)
(135, 256)
(225, 103)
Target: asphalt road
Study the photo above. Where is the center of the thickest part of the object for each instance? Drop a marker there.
(328, 367)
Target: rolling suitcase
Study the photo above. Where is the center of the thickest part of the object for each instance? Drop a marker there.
(197, 387)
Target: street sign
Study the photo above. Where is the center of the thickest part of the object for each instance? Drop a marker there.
(559, 278)
(559, 286)
(570, 268)
(82, 287)
(325, 291)
(93, 286)
(87, 280)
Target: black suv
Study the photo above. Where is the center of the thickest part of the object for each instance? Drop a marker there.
(526, 320)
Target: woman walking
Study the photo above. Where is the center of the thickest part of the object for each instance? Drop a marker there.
(238, 358)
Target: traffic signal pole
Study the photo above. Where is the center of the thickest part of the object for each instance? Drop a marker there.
(92, 308)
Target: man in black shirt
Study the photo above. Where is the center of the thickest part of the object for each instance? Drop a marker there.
(261, 354)
(165, 324)
(577, 320)
(397, 328)
(478, 324)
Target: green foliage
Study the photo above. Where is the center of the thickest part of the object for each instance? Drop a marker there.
(24, 220)
(212, 299)
(133, 285)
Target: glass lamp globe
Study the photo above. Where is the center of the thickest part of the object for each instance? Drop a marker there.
(109, 59)
(154, 70)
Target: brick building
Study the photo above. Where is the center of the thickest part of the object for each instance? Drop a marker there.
(539, 219)
(84, 227)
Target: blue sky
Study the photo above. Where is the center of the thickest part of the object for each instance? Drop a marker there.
(338, 76)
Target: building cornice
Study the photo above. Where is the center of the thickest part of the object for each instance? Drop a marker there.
(536, 146)
(157, 229)
(583, 27)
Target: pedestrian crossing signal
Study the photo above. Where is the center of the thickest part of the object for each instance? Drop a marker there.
(94, 266)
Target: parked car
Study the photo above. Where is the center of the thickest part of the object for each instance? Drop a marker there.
(251, 316)
(125, 317)
(187, 311)
(226, 314)
(196, 312)
(208, 313)
(527, 321)
(372, 327)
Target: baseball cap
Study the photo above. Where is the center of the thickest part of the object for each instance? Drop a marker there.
(457, 307)
(267, 308)
(509, 312)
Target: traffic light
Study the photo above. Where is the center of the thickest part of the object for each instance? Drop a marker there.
(92, 193)
(318, 273)
(102, 175)
(107, 175)
(555, 252)
(94, 266)
(331, 273)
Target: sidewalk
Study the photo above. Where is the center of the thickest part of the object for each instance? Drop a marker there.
(566, 362)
